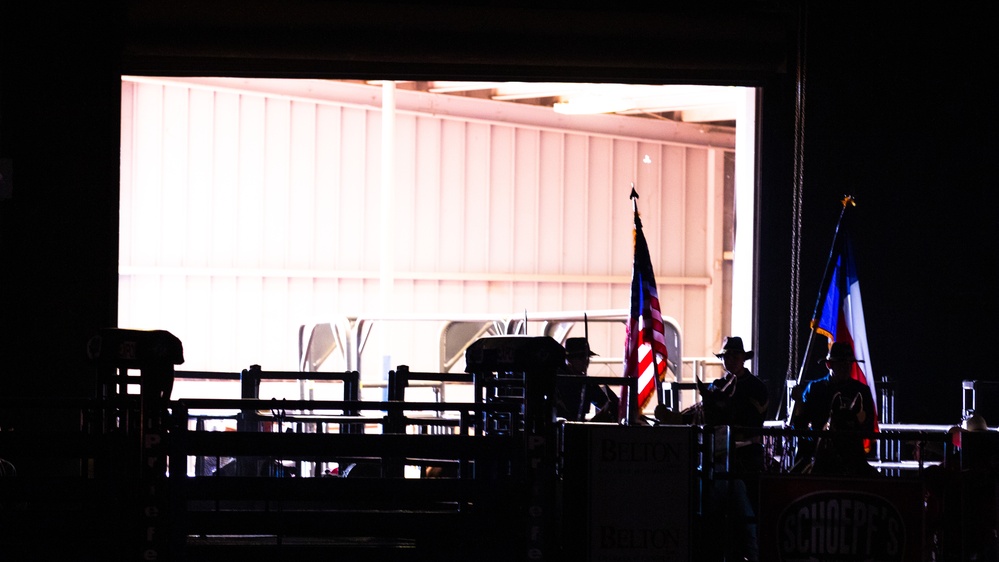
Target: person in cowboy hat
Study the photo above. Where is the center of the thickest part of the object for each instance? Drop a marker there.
(837, 399)
(572, 399)
(744, 401)
(738, 399)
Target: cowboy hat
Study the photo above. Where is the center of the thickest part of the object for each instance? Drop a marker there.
(578, 346)
(733, 344)
(841, 351)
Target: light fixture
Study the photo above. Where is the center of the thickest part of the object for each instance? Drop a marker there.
(592, 104)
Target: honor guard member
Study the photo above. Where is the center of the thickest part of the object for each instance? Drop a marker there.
(746, 405)
(573, 400)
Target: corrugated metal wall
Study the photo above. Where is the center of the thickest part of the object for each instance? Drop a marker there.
(246, 214)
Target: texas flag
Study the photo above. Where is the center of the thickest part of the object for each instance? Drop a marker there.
(842, 317)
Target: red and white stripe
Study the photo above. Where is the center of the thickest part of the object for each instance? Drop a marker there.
(651, 355)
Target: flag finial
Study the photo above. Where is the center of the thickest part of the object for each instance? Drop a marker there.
(634, 194)
(848, 201)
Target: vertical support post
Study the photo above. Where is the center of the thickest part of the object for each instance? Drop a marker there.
(392, 466)
(249, 389)
(397, 383)
(177, 459)
(352, 393)
(249, 382)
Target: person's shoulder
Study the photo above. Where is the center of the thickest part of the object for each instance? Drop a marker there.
(854, 384)
(752, 379)
(722, 380)
(815, 387)
(862, 387)
(820, 382)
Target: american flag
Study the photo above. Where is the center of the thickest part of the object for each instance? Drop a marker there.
(645, 340)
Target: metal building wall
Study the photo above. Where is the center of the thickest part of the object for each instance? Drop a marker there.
(249, 209)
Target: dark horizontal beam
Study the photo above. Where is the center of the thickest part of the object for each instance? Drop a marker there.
(448, 39)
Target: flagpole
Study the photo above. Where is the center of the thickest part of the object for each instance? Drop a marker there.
(847, 201)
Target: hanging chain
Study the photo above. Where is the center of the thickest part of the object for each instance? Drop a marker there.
(797, 197)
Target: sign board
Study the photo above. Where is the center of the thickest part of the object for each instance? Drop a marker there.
(804, 518)
(628, 492)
